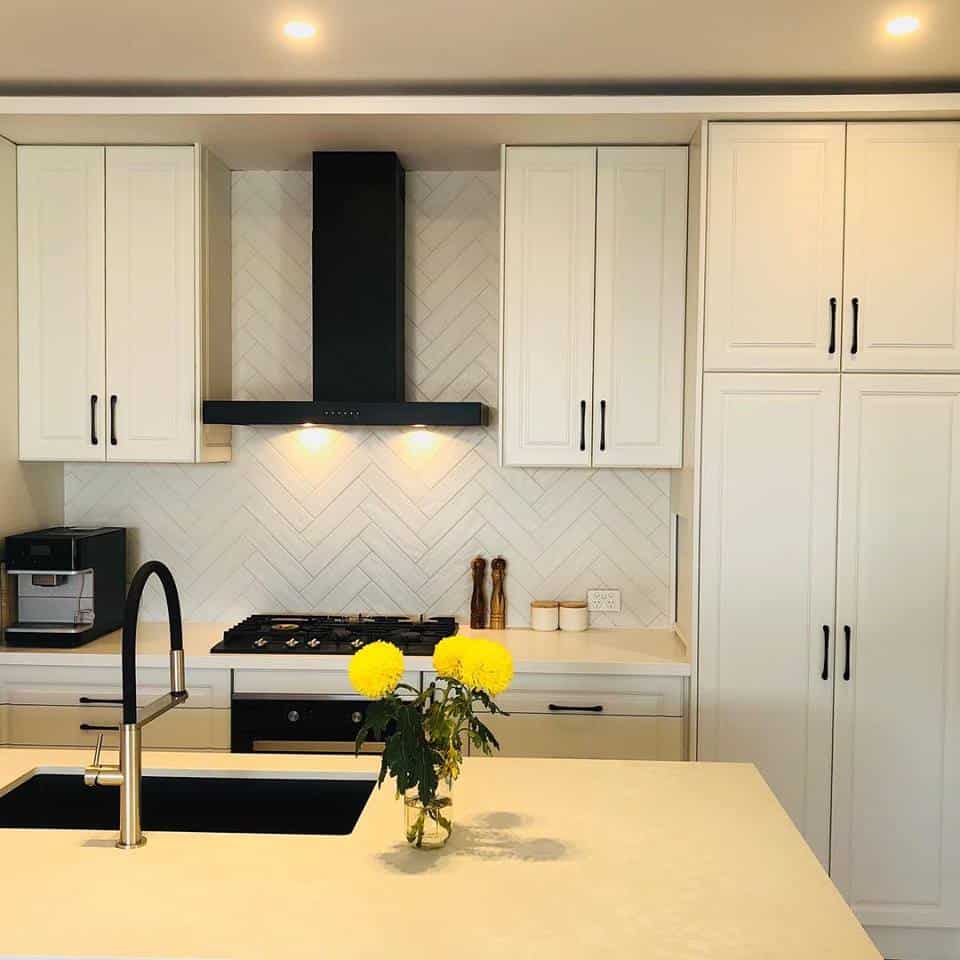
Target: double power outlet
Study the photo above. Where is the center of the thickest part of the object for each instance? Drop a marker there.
(603, 601)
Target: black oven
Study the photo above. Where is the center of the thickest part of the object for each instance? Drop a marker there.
(266, 723)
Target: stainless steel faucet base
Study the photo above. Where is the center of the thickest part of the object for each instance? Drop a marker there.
(131, 846)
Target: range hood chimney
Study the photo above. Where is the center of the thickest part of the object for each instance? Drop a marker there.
(358, 315)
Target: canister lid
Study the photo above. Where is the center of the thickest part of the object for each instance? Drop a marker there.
(547, 604)
(573, 604)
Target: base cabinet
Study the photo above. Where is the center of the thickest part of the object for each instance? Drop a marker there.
(62, 706)
(592, 717)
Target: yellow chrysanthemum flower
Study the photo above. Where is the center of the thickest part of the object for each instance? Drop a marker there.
(376, 669)
(486, 665)
(448, 656)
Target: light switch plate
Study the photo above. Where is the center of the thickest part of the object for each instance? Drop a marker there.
(603, 601)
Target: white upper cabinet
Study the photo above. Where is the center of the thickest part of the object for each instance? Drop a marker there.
(593, 300)
(902, 258)
(61, 265)
(775, 246)
(549, 209)
(638, 327)
(896, 792)
(124, 322)
(768, 534)
(151, 303)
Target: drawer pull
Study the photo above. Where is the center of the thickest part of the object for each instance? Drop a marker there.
(99, 700)
(561, 708)
(98, 726)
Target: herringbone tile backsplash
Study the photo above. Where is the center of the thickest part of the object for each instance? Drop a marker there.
(378, 520)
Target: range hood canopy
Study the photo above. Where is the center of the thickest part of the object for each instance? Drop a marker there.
(358, 308)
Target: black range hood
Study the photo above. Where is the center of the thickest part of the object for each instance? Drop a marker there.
(358, 316)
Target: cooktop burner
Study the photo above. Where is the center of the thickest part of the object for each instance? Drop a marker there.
(334, 634)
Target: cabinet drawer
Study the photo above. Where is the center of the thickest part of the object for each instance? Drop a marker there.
(588, 737)
(328, 683)
(615, 695)
(179, 729)
(65, 686)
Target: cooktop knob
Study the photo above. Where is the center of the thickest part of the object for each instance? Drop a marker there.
(293, 716)
(292, 642)
(260, 642)
(356, 716)
(313, 642)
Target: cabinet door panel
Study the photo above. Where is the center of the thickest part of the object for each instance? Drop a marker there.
(896, 792)
(902, 256)
(548, 263)
(774, 246)
(638, 351)
(767, 584)
(151, 302)
(61, 340)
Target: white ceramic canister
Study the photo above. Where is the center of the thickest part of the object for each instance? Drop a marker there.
(544, 614)
(573, 615)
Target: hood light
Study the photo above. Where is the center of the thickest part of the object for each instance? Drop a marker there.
(901, 26)
(299, 30)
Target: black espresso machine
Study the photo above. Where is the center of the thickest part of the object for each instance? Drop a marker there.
(68, 585)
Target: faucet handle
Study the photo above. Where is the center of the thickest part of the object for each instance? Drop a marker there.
(101, 774)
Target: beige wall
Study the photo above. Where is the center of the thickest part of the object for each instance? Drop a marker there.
(31, 495)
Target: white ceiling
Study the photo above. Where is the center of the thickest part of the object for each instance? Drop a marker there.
(79, 46)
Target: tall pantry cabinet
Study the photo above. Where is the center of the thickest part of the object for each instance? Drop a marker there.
(830, 495)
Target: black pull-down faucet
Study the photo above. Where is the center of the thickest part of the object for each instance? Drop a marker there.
(127, 775)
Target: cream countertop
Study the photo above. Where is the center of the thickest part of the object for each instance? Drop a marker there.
(635, 652)
(550, 859)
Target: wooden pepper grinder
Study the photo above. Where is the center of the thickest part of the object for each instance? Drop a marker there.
(498, 600)
(478, 602)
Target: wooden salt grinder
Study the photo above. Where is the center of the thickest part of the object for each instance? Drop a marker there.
(478, 602)
(498, 601)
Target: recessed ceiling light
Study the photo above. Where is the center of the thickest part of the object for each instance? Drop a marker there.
(899, 26)
(299, 30)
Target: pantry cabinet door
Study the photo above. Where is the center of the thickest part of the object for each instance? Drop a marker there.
(638, 327)
(61, 324)
(896, 788)
(767, 583)
(151, 303)
(549, 208)
(774, 246)
(902, 253)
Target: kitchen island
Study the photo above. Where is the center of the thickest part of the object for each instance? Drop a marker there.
(549, 859)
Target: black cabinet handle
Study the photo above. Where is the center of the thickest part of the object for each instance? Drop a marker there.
(113, 420)
(98, 726)
(833, 326)
(93, 419)
(855, 303)
(583, 424)
(603, 424)
(561, 708)
(846, 661)
(99, 700)
(826, 654)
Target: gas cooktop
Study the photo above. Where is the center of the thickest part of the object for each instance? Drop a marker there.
(322, 633)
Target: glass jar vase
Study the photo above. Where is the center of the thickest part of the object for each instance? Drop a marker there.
(427, 826)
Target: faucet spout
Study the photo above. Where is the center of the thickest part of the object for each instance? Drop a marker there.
(128, 776)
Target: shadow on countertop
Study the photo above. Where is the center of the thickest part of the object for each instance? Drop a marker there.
(490, 836)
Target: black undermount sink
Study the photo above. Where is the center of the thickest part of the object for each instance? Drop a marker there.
(192, 802)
